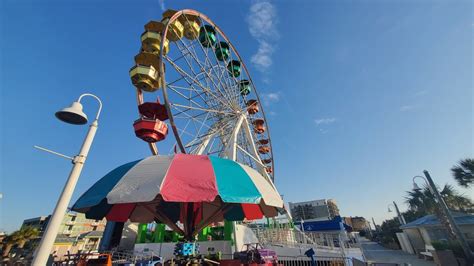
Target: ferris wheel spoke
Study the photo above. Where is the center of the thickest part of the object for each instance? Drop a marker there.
(214, 134)
(188, 116)
(194, 56)
(199, 93)
(202, 68)
(216, 128)
(209, 64)
(230, 81)
(202, 109)
(175, 81)
(205, 110)
(202, 125)
(186, 97)
(194, 81)
(184, 88)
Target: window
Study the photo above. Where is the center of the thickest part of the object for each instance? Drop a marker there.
(437, 234)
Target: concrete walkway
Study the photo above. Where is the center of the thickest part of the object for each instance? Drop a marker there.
(374, 252)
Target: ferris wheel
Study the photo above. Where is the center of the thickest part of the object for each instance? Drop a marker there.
(195, 90)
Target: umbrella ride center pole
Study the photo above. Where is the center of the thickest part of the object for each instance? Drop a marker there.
(49, 236)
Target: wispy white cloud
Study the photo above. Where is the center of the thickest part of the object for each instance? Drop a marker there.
(263, 58)
(162, 5)
(420, 93)
(405, 108)
(262, 20)
(323, 131)
(271, 97)
(324, 121)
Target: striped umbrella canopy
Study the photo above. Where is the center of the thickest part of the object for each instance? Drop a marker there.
(195, 190)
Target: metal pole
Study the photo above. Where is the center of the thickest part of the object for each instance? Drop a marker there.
(452, 223)
(49, 236)
(375, 225)
(400, 216)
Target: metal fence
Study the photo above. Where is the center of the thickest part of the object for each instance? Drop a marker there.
(293, 237)
(319, 261)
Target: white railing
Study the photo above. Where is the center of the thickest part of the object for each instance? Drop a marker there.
(293, 237)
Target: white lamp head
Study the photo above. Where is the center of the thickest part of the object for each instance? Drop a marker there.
(72, 114)
(389, 210)
(416, 187)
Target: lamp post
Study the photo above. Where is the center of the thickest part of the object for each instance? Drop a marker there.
(375, 225)
(401, 219)
(72, 115)
(459, 235)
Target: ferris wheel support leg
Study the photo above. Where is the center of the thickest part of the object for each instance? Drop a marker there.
(204, 144)
(231, 151)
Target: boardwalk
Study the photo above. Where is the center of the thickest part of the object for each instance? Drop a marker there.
(374, 252)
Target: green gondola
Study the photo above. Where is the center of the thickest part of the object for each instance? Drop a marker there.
(207, 36)
(234, 68)
(222, 51)
(245, 88)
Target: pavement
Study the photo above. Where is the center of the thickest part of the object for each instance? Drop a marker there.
(375, 253)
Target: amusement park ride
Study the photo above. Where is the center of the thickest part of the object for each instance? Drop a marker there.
(194, 90)
(209, 100)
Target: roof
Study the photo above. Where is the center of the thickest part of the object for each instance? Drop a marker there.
(432, 220)
(92, 234)
(60, 238)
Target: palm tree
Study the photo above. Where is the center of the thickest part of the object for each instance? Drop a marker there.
(19, 238)
(464, 172)
(26, 234)
(423, 203)
(8, 243)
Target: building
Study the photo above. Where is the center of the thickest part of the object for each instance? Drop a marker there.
(333, 209)
(357, 223)
(76, 233)
(75, 224)
(39, 223)
(315, 210)
(423, 231)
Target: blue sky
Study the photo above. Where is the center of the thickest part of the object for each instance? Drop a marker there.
(361, 95)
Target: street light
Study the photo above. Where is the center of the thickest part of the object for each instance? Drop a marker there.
(389, 210)
(72, 115)
(401, 219)
(450, 219)
(418, 188)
